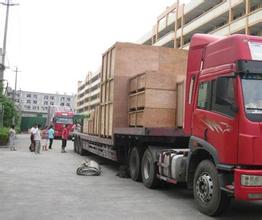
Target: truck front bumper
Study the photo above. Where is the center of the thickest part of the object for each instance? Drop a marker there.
(247, 184)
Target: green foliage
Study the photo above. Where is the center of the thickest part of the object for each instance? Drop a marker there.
(4, 136)
(9, 112)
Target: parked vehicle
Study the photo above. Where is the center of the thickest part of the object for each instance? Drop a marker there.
(58, 116)
(218, 151)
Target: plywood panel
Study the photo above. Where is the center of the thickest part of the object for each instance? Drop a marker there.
(112, 65)
(161, 118)
(156, 98)
(111, 91)
(180, 104)
(141, 99)
(132, 119)
(141, 82)
(132, 102)
(104, 65)
(133, 85)
(102, 122)
(110, 120)
(160, 80)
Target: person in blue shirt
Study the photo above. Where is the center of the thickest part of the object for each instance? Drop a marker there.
(51, 133)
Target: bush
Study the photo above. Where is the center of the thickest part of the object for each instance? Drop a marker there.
(4, 136)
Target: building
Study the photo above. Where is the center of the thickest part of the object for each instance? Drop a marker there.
(88, 93)
(35, 103)
(176, 25)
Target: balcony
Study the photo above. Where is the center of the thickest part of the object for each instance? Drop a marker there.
(205, 18)
(165, 39)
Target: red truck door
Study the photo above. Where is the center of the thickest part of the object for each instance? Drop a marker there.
(215, 117)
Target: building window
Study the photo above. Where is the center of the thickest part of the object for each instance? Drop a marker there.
(45, 102)
(46, 97)
(52, 97)
(28, 96)
(68, 99)
(35, 102)
(68, 104)
(62, 99)
(62, 104)
(28, 101)
(35, 96)
(51, 103)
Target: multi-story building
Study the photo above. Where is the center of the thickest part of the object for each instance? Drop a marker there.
(34, 103)
(176, 25)
(88, 93)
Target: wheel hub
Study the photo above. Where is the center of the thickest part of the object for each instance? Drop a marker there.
(204, 187)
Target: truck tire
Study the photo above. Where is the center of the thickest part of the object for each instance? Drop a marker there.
(134, 164)
(149, 171)
(210, 199)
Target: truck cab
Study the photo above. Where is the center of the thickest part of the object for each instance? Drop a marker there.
(223, 115)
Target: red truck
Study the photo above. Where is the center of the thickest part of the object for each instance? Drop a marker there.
(58, 116)
(218, 152)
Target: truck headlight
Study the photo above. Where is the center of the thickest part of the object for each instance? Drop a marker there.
(251, 180)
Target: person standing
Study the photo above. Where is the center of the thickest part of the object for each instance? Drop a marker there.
(65, 134)
(51, 133)
(12, 135)
(32, 139)
(44, 136)
(37, 138)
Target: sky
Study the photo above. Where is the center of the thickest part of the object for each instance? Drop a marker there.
(55, 43)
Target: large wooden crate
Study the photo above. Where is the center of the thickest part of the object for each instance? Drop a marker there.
(119, 64)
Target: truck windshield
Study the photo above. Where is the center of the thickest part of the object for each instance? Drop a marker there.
(252, 91)
(63, 120)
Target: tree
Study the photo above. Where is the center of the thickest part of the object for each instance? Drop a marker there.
(10, 111)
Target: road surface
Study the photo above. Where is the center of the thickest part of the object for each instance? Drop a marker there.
(45, 186)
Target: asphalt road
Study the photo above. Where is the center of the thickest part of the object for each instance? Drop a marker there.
(46, 186)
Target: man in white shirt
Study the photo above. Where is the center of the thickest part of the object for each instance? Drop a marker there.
(32, 145)
(37, 139)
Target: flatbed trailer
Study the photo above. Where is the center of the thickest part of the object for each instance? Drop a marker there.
(124, 139)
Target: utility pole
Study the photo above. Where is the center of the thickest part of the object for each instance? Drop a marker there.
(2, 65)
(14, 91)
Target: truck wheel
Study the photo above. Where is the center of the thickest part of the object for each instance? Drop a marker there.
(134, 164)
(210, 199)
(149, 170)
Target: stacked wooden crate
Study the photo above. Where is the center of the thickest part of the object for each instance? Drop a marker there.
(122, 62)
(152, 100)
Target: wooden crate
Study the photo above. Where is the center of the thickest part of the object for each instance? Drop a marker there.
(153, 98)
(156, 117)
(120, 63)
